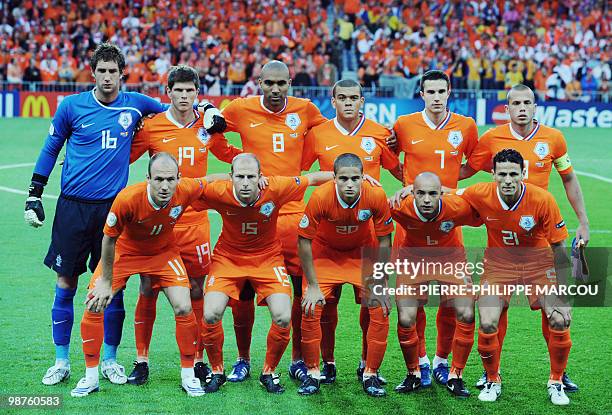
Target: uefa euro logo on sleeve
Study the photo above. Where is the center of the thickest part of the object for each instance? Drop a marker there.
(527, 222)
(364, 214)
(447, 225)
(267, 209)
(175, 211)
(125, 119)
(203, 136)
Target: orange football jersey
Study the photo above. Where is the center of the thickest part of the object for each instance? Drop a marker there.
(142, 227)
(533, 222)
(250, 229)
(276, 138)
(327, 141)
(435, 148)
(332, 223)
(541, 148)
(442, 231)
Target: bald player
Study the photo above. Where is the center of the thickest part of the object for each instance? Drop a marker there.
(249, 250)
(432, 235)
(542, 148)
(273, 126)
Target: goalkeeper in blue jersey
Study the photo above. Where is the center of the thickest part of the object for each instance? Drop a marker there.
(97, 127)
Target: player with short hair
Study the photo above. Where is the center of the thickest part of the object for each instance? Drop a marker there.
(542, 148)
(435, 140)
(525, 245)
(432, 224)
(138, 239)
(249, 250)
(341, 218)
(97, 127)
(180, 132)
(348, 132)
(272, 126)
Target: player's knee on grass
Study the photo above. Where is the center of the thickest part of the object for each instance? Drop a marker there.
(406, 316)
(280, 309)
(214, 306)
(67, 283)
(489, 319)
(464, 310)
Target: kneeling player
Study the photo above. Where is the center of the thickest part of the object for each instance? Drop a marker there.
(432, 238)
(337, 224)
(138, 239)
(525, 245)
(249, 250)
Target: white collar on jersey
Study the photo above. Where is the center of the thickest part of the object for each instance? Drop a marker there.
(93, 94)
(151, 202)
(240, 201)
(431, 124)
(515, 206)
(343, 203)
(343, 131)
(272, 112)
(178, 124)
(534, 131)
(423, 218)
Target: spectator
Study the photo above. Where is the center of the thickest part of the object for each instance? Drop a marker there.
(302, 78)
(589, 85)
(65, 72)
(514, 76)
(474, 65)
(250, 88)
(327, 74)
(14, 74)
(32, 72)
(573, 91)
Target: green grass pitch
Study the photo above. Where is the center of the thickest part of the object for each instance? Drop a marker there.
(27, 294)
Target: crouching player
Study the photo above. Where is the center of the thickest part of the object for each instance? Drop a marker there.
(526, 235)
(340, 219)
(138, 239)
(432, 239)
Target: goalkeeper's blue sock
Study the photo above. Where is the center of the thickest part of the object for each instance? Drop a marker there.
(113, 326)
(62, 316)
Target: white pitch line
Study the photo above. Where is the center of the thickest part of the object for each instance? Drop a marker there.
(22, 192)
(15, 166)
(594, 176)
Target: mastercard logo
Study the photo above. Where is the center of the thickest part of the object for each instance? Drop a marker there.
(499, 115)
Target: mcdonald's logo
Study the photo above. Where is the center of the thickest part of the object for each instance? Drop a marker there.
(35, 106)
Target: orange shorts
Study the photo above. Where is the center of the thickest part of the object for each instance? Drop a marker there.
(165, 269)
(194, 244)
(286, 229)
(266, 273)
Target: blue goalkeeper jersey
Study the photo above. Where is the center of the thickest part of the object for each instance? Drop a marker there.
(98, 140)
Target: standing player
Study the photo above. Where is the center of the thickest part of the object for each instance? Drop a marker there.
(435, 140)
(272, 126)
(250, 250)
(348, 132)
(180, 132)
(541, 147)
(432, 233)
(138, 238)
(336, 226)
(526, 235)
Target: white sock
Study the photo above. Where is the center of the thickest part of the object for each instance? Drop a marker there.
(92, 373)
(187, 372)
(424, 360)
(438, 360)
(62, 362)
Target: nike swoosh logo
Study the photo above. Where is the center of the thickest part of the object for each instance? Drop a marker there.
(167, 140)
(253, 124)
(144, 220)
(416, 141)
(488, 218)
(88, 340)
(330, 147)
(60, 322)
(230, 213)
(180, 279)
(138, 322)
(87, 125)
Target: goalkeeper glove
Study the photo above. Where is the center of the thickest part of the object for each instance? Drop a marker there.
(213, 120)
(34, 214)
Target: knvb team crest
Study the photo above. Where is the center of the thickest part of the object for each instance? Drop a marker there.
(293, 121)
(455, 138)
(541, 149)
(203, 135)
(267, 209)
(447, 225)
(364, 214)
(304, 222)
(368, 145)
(176, 211)
(527, 222)
(125, 119)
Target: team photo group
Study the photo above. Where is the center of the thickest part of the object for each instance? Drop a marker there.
(292, 235)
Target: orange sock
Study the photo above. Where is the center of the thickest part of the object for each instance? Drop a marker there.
(545, 327)
(186, 338)
(462, 346)
(409, 343)
(445, 323)
(198, 311)
(364, 322)
(213, 337)
(144, 319)
(244, 319)
(92, 333)
(502, 326)
(296, 329)
(377, 339)
(329, 322)
(421, 323)
(278, 340)
(559, 345)
(488, 347)
(311, 338)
